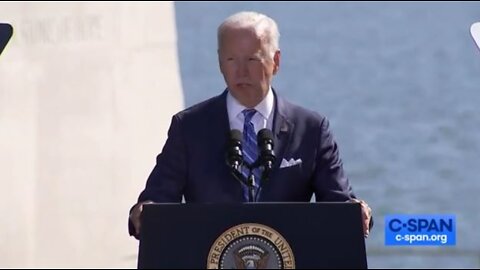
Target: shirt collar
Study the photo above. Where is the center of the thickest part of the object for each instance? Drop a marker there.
(265, 107)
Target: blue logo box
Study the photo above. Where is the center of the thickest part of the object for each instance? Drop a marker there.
(420, 230)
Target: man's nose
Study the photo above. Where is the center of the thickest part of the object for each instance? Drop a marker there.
(242, 69)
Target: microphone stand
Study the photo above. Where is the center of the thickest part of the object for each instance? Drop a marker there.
(249, 182)
(264, 178)
(251, 185)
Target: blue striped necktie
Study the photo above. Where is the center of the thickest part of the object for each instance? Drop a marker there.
(250, 150)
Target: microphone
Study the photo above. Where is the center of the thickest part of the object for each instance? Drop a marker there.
(234, 152)
(265, 146)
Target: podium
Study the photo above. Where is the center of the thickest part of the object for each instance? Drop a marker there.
(252, 235)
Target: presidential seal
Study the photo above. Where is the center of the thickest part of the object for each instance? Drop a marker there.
(250, 246)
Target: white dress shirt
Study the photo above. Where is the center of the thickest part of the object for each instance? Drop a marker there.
(262, 119)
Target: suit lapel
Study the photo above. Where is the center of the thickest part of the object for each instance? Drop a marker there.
(282, 130)
(219, 119)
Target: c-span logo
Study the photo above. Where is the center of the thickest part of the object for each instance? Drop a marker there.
(416, 230)
(250, 246)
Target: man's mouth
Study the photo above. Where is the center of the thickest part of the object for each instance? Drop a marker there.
(243, 85)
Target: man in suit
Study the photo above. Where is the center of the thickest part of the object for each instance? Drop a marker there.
(193, 161)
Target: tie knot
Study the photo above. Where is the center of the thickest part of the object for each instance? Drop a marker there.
(249, 113)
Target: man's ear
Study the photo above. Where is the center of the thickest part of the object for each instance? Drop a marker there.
(219, 62)
(276, 61)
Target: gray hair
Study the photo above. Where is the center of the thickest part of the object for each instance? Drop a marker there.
(264, 26)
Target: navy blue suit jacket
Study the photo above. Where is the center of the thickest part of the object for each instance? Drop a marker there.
(193, 160)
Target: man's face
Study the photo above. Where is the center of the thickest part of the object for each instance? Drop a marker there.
(246, 65)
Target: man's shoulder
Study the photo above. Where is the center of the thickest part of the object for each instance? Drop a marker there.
(304, 119)
(296, 112)
(202, 108)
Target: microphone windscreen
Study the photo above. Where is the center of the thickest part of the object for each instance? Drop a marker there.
(265, 135)
(235, 136)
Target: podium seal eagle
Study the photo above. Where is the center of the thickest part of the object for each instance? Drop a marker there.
(250, 246)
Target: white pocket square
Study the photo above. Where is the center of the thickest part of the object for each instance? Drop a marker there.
(289, 163)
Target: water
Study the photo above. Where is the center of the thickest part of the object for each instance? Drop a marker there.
(400, 83)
